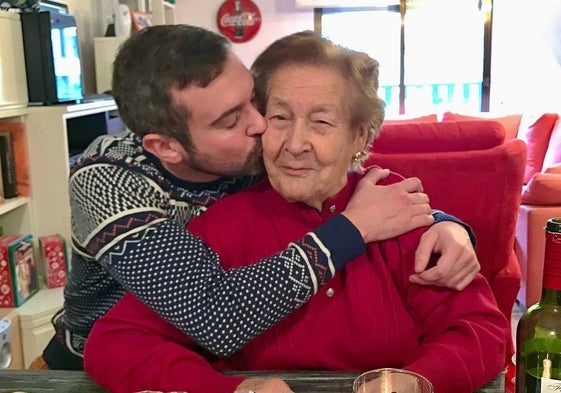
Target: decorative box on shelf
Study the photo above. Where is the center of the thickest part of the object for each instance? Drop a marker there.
(18, 270)
(53, 253)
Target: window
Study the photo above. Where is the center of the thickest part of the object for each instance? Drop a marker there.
(437, 59)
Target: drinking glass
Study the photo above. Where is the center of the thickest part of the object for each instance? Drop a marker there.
(391, 380)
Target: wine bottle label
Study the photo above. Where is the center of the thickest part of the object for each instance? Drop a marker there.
(552, 261)
(549, 385)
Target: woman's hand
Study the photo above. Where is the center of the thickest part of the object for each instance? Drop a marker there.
(263, 385)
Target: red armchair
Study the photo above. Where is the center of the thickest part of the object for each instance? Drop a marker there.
(468, 170)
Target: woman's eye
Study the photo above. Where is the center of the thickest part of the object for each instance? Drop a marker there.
(278, 117)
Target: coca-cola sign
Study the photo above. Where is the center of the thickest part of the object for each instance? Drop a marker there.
(239, 20)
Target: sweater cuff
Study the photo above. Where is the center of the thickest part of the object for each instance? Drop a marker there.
(342, 239)
(440, 216)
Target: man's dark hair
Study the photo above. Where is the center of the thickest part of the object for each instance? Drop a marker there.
(154, 62)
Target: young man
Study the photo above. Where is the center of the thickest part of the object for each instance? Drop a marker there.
(195, 138)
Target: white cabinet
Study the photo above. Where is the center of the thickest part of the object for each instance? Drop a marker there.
(35, 322)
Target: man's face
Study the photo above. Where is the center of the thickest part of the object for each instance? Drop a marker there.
(224, 126)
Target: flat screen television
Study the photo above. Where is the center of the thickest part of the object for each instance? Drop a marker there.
(52, 58)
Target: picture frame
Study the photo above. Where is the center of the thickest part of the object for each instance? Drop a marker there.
(140, 20)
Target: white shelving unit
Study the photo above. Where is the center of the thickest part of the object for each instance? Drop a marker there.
(163, 12)
(105, 48)
(49, 153)
(48, 210)
(15, 215)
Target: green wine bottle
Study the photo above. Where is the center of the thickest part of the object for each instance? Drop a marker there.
(538, 336)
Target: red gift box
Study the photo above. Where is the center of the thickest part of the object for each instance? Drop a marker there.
(18, 271)
(53, 252)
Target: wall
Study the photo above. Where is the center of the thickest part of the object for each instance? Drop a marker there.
(279, 18)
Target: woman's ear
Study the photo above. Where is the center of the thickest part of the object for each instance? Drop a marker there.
(165, 148)
(362, 137)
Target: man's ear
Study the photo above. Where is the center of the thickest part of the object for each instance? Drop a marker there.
(164, 147)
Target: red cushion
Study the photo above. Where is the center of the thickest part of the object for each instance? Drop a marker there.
(543, 189)
(535, 130)
(439, 137)
(553, 152)
(419, 119)
(511, 123)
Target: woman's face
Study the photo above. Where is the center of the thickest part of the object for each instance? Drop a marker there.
(308, 145)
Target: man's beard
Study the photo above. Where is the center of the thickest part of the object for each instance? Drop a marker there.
(206, 163)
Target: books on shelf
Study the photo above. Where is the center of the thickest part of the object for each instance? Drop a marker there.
(8, 165)
(18, 271)
(19, 146)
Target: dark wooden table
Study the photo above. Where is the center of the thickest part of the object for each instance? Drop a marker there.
(78, 382)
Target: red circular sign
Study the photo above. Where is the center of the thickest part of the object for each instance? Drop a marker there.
(239, 20)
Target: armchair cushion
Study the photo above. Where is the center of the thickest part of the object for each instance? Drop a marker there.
(511, 123)
(536, 130)
(553, 153)
(439, 137)
(543, 189)
(406, 120)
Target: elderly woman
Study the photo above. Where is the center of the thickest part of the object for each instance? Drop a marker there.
(322, 108)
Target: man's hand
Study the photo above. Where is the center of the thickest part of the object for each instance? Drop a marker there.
(383, 212)
(262, 385)
(457, 263)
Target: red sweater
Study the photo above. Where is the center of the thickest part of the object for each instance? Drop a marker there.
(368, 316)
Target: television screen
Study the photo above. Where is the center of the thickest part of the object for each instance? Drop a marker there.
(52, 58)
(66, 58)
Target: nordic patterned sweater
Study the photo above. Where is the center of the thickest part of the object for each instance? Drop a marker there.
(128, 224)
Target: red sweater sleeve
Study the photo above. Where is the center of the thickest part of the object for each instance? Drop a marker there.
(132, 349)
(449, 319)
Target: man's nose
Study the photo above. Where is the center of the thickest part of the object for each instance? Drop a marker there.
(258, 123)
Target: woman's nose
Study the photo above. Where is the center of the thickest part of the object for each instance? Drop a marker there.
(297, 139)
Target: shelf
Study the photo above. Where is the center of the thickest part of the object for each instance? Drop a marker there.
(43, 304)
(14, 111)
(13, 203)
(74, 110)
